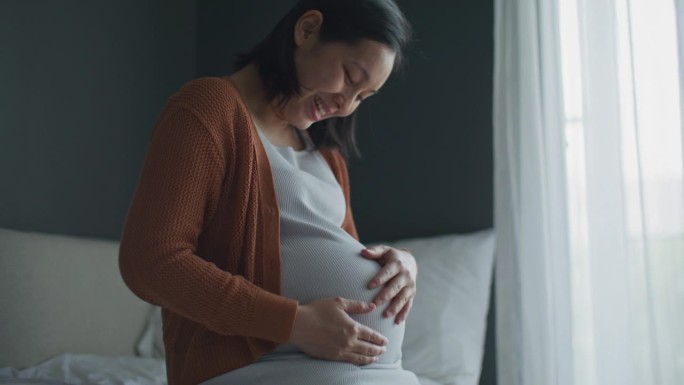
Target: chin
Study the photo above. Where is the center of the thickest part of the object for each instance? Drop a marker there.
(302, 125)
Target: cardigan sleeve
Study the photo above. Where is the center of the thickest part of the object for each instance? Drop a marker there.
(177, 192)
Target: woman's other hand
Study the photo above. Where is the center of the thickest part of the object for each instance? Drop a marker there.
(323, 329)
(398, 275)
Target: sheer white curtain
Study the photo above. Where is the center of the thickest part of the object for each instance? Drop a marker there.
(589, 192)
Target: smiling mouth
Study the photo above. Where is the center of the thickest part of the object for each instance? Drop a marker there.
(320, 109)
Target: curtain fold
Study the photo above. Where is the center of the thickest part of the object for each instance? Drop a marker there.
(529, 218)
(679, 9)
(589, 192)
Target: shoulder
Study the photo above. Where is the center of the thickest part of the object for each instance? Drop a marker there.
(218, 107)
(213, 100)
(207, 90)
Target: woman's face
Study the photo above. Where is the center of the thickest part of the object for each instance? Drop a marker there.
(334, 77)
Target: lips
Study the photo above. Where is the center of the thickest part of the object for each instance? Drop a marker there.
(321, 107)
(318, 109)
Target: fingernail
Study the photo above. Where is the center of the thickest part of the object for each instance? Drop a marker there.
(371, 305)
(373, 285)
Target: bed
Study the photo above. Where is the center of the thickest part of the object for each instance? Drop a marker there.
(68, 318)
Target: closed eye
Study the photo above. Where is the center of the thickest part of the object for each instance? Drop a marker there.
(351, 82)
(348, 76)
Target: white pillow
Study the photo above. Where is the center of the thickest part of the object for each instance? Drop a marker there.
(445, 330)
(151, 342)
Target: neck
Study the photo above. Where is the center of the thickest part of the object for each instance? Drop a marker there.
(264, 112)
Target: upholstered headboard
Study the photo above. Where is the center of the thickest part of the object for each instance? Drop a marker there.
(63, 294)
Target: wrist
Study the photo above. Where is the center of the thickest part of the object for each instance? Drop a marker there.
(297, 324)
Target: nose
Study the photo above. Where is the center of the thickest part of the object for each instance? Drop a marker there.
(344, 104)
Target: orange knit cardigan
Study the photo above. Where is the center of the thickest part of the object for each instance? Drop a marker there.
(202, 234)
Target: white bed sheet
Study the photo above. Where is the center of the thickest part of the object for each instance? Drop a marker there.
(76, 369)
(90, 369)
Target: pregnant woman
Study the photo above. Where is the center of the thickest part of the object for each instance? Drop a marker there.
(240, 227)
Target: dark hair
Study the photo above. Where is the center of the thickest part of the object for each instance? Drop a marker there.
(346, 21)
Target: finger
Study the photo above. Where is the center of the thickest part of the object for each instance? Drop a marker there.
(399, 301)
(358, 359)
(391, 289)
(385, 274)
(369, 335)
(375, 252)
(352, 306)
(401, 317)
(367, 349)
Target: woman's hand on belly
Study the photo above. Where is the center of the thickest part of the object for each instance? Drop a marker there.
(323, 329)
(398, 275)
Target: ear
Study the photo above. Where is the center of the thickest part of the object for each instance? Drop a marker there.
(307, 28)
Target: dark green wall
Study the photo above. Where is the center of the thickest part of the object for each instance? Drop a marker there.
(427, 138)
(81, 84)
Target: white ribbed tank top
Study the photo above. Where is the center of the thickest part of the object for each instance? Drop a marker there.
(319, 258)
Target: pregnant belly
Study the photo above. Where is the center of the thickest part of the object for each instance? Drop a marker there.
(315, 268)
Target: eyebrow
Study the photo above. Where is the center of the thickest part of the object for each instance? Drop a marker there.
(365, 74)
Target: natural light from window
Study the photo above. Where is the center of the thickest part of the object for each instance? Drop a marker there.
(652, 176)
